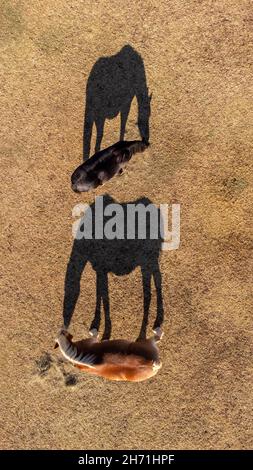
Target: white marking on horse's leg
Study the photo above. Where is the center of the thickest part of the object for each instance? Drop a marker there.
(94, 333)
(158, 333)
(64, 327)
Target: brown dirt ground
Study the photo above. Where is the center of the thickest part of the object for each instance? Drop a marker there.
(198, 63)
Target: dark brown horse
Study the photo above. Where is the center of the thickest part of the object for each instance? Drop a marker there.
(105, 164)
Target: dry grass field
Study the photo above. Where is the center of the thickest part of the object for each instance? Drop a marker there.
(198, 63)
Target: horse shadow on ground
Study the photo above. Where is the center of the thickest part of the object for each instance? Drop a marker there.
(112, 84)
(119, 255)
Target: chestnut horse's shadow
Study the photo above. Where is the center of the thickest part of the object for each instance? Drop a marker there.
(112, 84)
(119, 256)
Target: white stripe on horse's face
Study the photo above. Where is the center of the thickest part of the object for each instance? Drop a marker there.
(84, 183)
(83, 187)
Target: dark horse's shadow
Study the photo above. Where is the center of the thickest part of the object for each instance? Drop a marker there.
(112, 84)
(119, 256)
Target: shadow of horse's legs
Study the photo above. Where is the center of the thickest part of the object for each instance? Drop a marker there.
(146, 282)
(158, 285)
(123, 120)
(100, 122)
(95, 324)
(87, 133)
(72, 286)
(147, 273)
(102, 297)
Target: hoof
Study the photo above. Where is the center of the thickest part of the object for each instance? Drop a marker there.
(93, 332)
(158, 333)
(63, 330)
